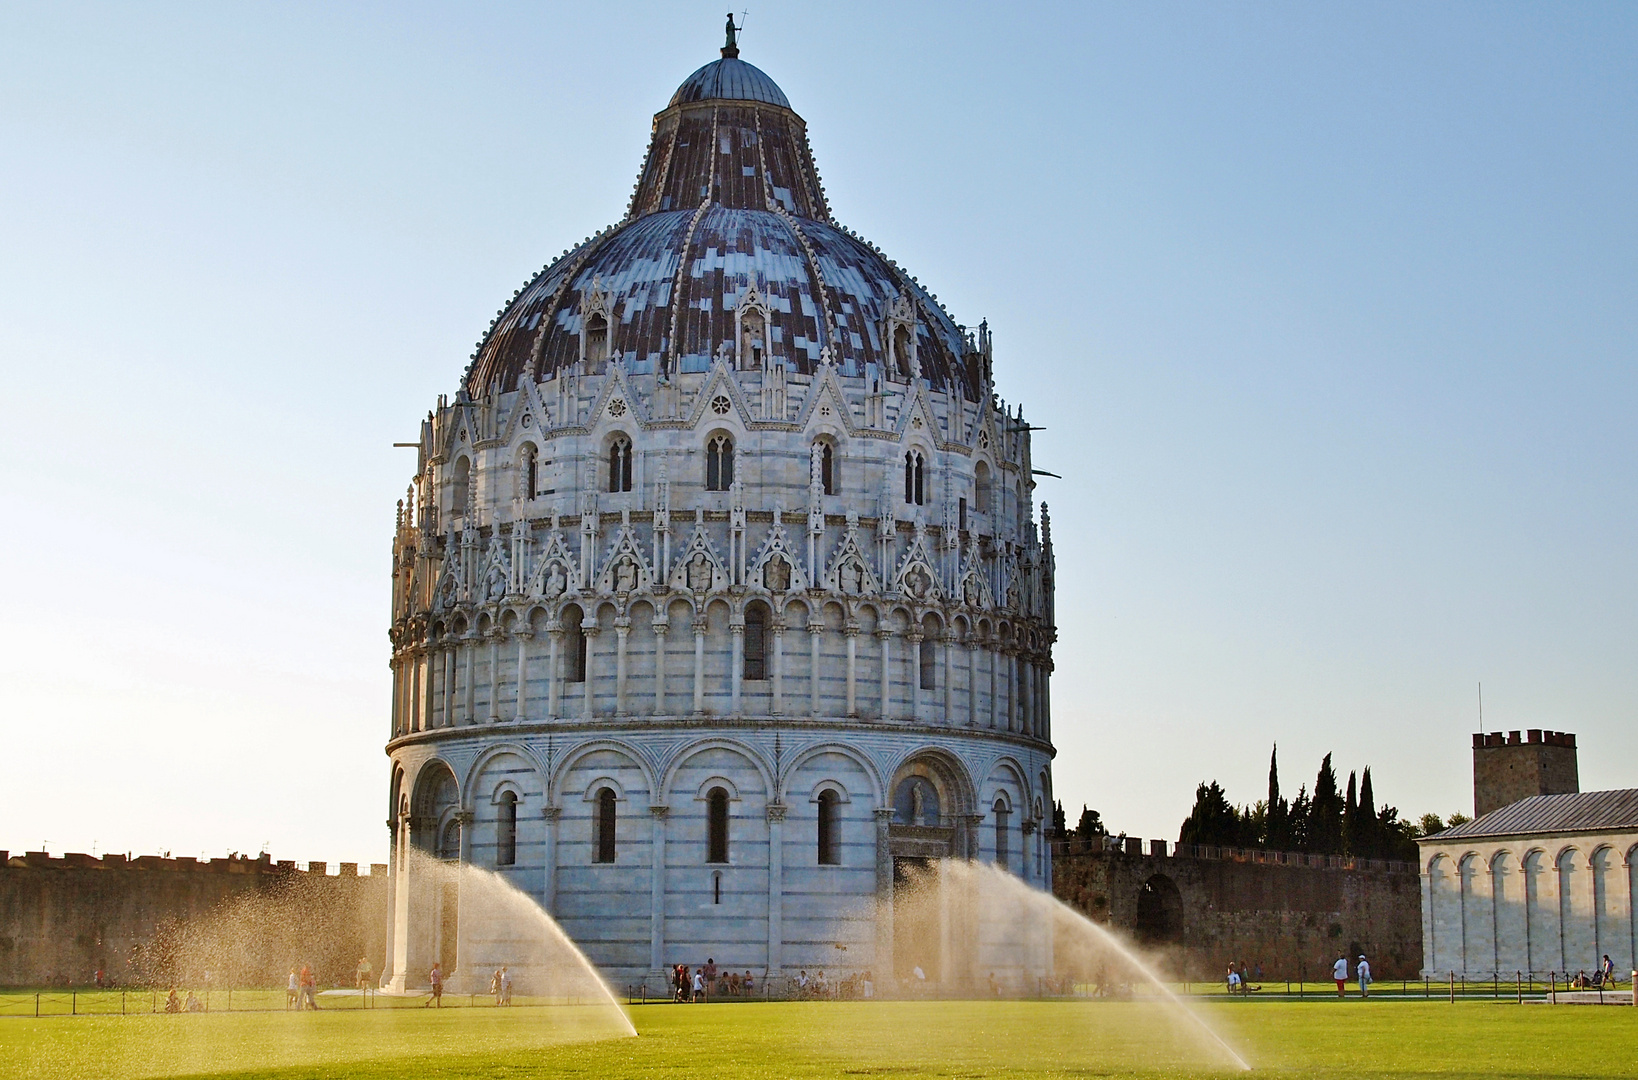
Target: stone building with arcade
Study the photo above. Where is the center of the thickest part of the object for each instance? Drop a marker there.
(719, 600)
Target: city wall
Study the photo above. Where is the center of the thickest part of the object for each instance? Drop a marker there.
(150, 919)
(1205, 907)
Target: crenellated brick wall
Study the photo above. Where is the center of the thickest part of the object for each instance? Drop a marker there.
(1293, 914)
(62, 919)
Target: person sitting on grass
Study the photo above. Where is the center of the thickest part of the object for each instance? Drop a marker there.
(193, 1004)
(1233, 980)
(746, 984)
(172, 1003)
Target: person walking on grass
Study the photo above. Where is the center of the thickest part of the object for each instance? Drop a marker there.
(1339, 972)
(309, 989)
(292, 994)
(505, 985)
(436, 978)
(1363, 974)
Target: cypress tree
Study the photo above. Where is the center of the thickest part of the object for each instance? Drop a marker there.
(1325, 814)
(1277, 823)
(1350, 817)
(1370, 832)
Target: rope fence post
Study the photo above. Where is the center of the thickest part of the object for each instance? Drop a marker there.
(36, 1006)
(1453, 988)
(73, 1002)
(1520, 976)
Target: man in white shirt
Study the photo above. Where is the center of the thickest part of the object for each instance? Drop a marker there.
(1363, 974)
(1339, 972)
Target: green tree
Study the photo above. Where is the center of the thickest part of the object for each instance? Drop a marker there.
(1325, 815)
(1090, 825)
(1277, 834)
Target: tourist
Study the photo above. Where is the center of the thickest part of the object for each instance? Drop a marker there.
(365, 973)
(699, 986)
(1607, 971)
(494, 986)
(1339, 972)
(193, 1005)
(870, 987)
(1363, 974)
(172, 1004)
(292, 992)
(309, 989)
(436, 978)
(102, 981)
(995, 987)
(1233, 980)
(505, 985)
(746, 984)
(802, 983)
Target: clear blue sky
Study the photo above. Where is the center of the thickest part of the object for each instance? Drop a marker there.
(1328, 311)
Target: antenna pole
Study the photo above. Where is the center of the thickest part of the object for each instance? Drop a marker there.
(1481, 704)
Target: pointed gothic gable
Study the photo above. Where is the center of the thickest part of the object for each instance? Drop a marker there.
(766, 571)
(556, 571)
(699, 569)
(625, 570)
(719, 382)
(973, 588)
(915, 576)
(529, 404)
(451, 589)
(495, 580)
(617, 401)
(916, 417)
(826, 392)
(849, 570)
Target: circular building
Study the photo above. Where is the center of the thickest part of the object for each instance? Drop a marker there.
(718, 602)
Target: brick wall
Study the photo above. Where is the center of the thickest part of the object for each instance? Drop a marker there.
(150, 918)
(1293, 914)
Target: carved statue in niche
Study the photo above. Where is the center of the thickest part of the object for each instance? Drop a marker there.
(556, 581)
(969, 592)
(451, 591)
(916, 583)
(776, 576)
(625, 576)
(699, 573)
(918, 806)
(852, 577)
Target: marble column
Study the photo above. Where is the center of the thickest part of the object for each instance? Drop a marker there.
(776, 886)
(449, 686)
(914, 638)
(469, 650)
(523, 634)
(995, 688)
(972, 681)
(884, 892)
(736, 676)
(851, 630)
(944, 643)
(622, 628)
(699, 664)
(816, 629)
(591, 632)
(778, 629)
(657, 820)
(397, 696)
(885, 636)
(549, 886)
(661, 628)
(495, 636)
(554, 670)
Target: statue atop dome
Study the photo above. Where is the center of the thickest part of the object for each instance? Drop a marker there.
(730, 51)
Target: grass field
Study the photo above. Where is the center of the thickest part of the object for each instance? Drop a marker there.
(821, 1039)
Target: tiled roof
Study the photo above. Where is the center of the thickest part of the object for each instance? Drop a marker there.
(1586, 811)
(730, 79)
(728, 199)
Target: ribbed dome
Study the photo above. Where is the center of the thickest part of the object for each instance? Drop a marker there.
(730, 79)
(728, 201)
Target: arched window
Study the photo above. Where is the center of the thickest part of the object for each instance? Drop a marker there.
(597, 338)
(1001, 816)
(449, 841)
(914, 488)
(719, 463)
(830, 828)
(756, 642)
(506, 830)
(981, 488)
(574, 646)
(827, 469)
(716, 887)
(603, 827)
(716, 826)
(463, 483)
(928, 662)
(528, 471)
(620, 465)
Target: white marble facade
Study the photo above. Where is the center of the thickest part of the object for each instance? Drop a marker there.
(1535, 903)
(805, 593)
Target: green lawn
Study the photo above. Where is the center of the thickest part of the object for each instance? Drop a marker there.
(821, 1039)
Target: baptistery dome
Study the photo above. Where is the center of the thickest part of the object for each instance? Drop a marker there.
(718, 596)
